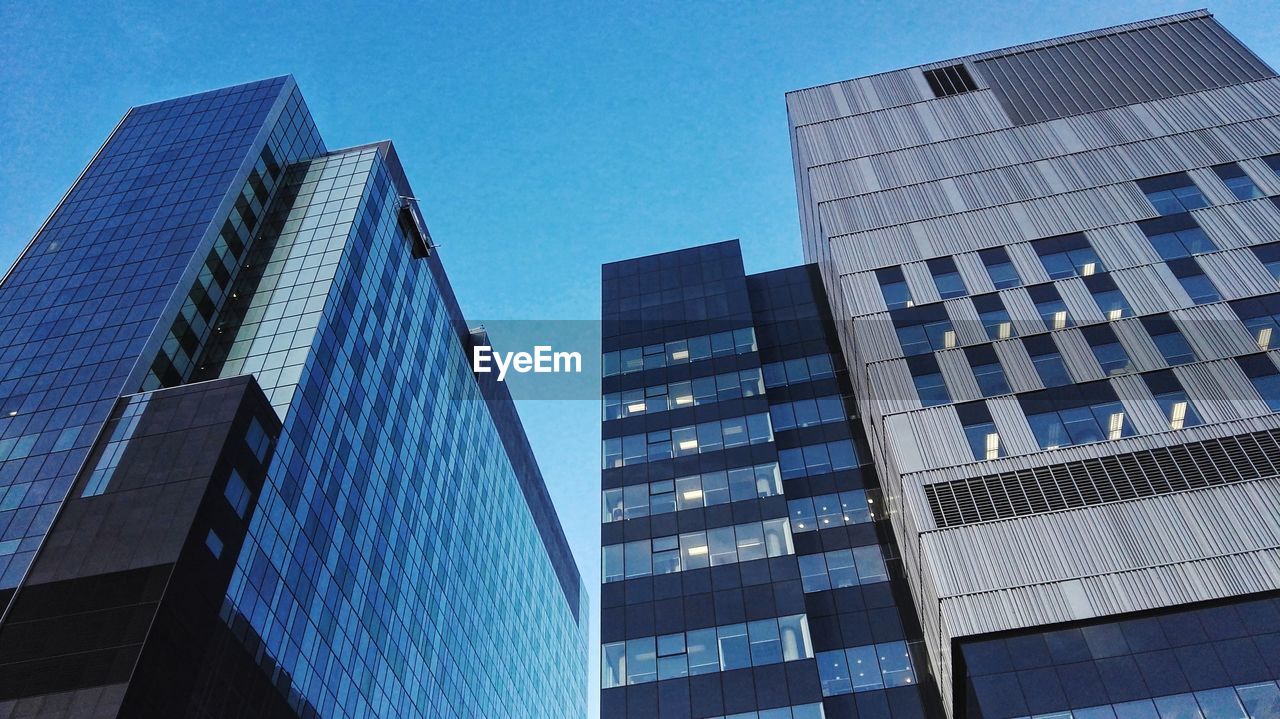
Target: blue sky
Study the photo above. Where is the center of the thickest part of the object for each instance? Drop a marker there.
(543, 140)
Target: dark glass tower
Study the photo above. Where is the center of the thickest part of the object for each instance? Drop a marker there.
(747, 564)
(245, 469)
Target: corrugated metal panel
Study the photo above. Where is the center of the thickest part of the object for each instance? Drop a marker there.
(1078, 356)
(1018, 370)
(959, 377)
(1116, 69)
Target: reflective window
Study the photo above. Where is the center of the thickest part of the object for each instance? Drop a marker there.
(677, 395)
(1168, 339)
(831, 510)
(1198, 287)
(1261, 317)
(1068, 256)
(237, 494)
(1047, 360)
(1174, 237)
(684, 441)
(893, 285)
(807, 413)
(1108, 297)
(924, 329)
(802, 369)
(995, 318)
(865, 668)
(705, 651)
(696, 550)
(1173, 194)
(927, 377)
(1111, 355)
(842, 568)
(946, 277)
(1264, 376)
(1234, 177)
(1001, 270)
(1050, 307)
(815, 459)
(1080, 424)
(980, 431)
(1269, 256)
(987, 370)
(693, 349)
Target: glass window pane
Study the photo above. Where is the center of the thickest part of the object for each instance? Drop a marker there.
(638, 559)
(895, 664)
(841, 571)
(813, 573)
(833, 673)
(864, 668)
(794, 631)
(612, 507)
(611, 563)
(723, 548)
(750, 540)
(613, 665)
(735, 651)
(766, 646)
(693, 550)
(715, 488)
(701, 649)
(641, 661)
(777, 537)
(870, 564)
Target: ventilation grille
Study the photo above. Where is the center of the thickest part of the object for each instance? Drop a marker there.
(950, 80)
(1108, 479)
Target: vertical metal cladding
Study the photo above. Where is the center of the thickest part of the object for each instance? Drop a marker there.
(1091, 291)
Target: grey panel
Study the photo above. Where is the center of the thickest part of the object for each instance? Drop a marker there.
(1122, 68)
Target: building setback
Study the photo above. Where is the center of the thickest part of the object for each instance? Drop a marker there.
(243, 456)
(1054, 271)
(744, 541)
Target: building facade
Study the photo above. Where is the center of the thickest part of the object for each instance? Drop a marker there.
(748, 568)
(246, 469)
(1054, 269)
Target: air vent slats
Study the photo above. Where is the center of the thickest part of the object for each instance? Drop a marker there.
(1083, 483)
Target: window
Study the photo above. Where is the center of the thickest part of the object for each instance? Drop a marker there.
(1193, 280)
(1173, 401)
(994, 316)
(214, 543)
(842, 568)
(980, 430)
(801, 369)
(1172, 194)
(814, 459)
(1111, 355)
(1109, 297)
(1068, 256)
(1264, 376)
(678, 395)
(1174, 237)
(866, 668)
(237, 494)
(807, 413)
(1273, 161)
(893, 285)
(950, 80)
(987, 370)
(924, 329)
(1049, 305)
(1234, 177)
(1085, 413)
(1000, 268)
(697, 550)
(257, 439)
(1269, 256)
(927, 376)
(1047, 360)
(946, 277)
(683, 351)
(1261, 316)
(1168, 339)
(830, 510)
(704, 651)
(684, 441)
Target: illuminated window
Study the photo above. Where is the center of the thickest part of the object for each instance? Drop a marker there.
(1172, 194)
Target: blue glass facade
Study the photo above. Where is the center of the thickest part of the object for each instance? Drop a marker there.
(748, 570)
(402, 558)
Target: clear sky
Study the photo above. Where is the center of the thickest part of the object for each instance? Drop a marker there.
(543, 140)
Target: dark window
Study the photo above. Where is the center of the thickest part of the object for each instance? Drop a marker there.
(1234, 177)
(1269, 256)
(1109, 297)
(1168, 339)
(1172, 399)
(1174, 237)
(1199, 288)
(950, 80)
(947, 278)
(1261, 316)
(924, 329)
(987, 370)
(980, 430)
(1172, 194)
(1089, 412)
(928, 380)
(893, 285)
(1273, 161)
(1003, 274)
(1047, 360)
(1049, 304)
(1068, 256)
(1262, 372)
(995, 318)
(1107, 350)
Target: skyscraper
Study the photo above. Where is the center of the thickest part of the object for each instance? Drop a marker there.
(745, 544)
(245, 468)
(1054, 271)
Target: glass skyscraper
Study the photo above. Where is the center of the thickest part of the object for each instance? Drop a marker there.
(1008, 446)
(245, 469)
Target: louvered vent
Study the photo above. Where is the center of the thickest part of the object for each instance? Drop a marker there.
(950, 80)
(1108, 479)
